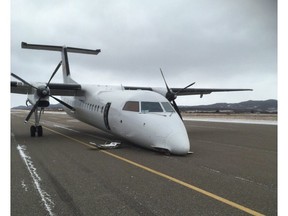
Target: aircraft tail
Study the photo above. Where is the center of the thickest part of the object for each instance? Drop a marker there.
(64, 53)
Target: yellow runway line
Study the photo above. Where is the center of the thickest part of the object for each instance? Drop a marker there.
(192, 187)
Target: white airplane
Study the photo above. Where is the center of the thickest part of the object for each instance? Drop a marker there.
(146, 116)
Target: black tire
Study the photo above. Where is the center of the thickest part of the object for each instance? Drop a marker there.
(40, 131)
(32, 131)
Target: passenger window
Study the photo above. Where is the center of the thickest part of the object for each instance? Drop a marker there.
(167, 106)
(151, 107)
(131, 106)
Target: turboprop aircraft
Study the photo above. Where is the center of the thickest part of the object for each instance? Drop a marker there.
(146, 116)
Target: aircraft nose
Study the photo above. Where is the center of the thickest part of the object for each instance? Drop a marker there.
(178, 142)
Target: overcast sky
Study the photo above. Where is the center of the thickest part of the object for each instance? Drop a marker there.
(215, 43)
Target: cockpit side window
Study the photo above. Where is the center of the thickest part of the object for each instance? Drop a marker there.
(167, 106)
(151, 107)
(131, 106)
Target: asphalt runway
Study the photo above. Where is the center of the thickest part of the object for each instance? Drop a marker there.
(233, 171)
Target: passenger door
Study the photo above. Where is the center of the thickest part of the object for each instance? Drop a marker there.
(106, 113)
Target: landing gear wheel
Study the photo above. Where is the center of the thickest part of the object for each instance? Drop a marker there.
(36, 129)
(32, 131)
(40, 131)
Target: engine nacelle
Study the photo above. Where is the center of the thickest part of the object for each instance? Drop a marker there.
(41, 94)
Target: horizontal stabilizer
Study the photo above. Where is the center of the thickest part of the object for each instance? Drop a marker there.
(59, 48)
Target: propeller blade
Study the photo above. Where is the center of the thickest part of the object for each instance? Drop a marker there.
(55, 71)
(185, 88)
(22, 80)
(32, 111)
(63, 103)
(165, 81)
(176, 108)
(170, 95)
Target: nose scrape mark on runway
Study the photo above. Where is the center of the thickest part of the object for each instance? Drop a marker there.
(45, 197)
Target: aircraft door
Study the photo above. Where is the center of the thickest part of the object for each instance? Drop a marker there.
(106, 112)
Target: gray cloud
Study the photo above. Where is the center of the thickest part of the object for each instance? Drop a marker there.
(218, 43)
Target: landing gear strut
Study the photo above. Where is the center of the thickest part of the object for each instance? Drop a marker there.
(37, 128)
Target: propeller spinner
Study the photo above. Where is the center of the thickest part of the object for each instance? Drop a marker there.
(171, 96)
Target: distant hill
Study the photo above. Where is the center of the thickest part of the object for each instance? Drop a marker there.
(57, 107)
(251, 106)
(267, 106)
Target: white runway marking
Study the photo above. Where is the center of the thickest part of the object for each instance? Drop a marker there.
(91, 135)
(45, 197)
(238, 121)
(66, 128)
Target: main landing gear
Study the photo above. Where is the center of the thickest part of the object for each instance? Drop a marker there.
(37, 128)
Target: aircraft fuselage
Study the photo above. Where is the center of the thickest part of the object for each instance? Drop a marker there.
(144, 118)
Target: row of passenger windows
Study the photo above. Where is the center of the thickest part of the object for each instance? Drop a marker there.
(91, 107)
(146, 106)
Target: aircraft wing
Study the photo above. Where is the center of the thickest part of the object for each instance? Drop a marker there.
(182, 92)
(60, 89)
(202, 91)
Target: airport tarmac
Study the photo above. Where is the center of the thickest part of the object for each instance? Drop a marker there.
(233, 171)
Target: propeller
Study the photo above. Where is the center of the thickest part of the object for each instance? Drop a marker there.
(171, 96)
(42, 92)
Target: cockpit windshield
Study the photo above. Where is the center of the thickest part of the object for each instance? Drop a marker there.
(131, 106)
(167, 106)
(147, 106)
(150, 107)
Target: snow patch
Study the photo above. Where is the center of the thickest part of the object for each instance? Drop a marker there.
(45, 197)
